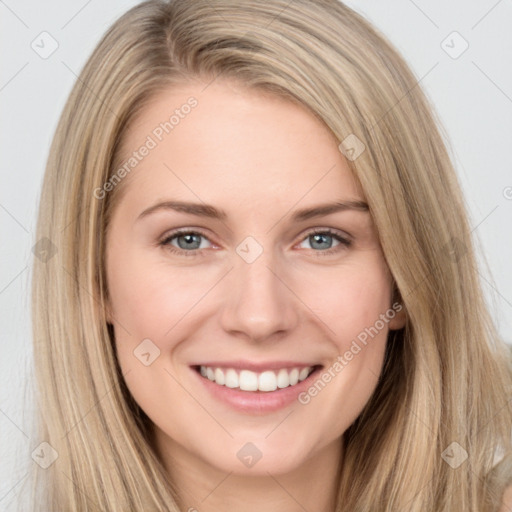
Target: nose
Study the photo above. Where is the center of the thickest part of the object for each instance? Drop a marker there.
(259, 303)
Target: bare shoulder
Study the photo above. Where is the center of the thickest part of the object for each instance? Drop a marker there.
(507, 500)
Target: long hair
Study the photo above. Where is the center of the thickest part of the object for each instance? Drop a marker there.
(446, 381)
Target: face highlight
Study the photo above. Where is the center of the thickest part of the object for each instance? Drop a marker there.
(242, 263)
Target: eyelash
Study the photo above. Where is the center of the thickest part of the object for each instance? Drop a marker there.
(165, 242)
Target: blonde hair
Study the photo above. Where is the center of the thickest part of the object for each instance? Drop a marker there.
(447, 375)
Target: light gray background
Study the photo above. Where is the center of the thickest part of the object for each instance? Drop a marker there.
(472, 95)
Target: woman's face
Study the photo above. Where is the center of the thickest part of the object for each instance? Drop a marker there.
(275, 287)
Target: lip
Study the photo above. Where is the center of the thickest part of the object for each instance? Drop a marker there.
(256, 402)
(256, 367)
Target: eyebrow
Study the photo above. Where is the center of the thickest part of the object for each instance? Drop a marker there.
(206, 210)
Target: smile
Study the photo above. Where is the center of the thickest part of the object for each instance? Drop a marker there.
(247, 380)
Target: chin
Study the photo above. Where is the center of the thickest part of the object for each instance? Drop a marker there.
(259, 458)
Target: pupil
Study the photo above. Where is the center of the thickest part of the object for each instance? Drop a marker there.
(189, 238)
(318, 238)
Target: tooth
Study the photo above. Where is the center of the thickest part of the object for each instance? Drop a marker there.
(219, 376)
(267, 381)
(303, 374)
(283, 381)
(294, 377)
(248, 381)
(232, 380)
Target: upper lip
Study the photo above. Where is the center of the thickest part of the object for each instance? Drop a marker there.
(256, 367)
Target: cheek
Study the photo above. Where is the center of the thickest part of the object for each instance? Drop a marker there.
(357, 311)
(352, 299)
(149, 299)
(147, 302)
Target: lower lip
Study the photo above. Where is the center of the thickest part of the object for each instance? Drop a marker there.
(257, 402)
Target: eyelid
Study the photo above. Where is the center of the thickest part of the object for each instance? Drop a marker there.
(343, 237)
(184, 231)
(332, 231)
(344, 241)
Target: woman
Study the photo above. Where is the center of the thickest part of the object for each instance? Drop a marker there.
(260, 369)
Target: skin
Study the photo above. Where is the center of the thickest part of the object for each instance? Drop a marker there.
(507, 500)
(258, 157)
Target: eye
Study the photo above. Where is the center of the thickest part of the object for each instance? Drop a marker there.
(323, 239)
(187, 242)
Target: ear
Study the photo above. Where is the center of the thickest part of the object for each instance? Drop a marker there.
(107, 310)
(507, 500)
(398, 321)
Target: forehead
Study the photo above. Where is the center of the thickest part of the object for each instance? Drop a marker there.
(228, 143)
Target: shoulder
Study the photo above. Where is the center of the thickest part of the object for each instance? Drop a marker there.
(506, 505)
